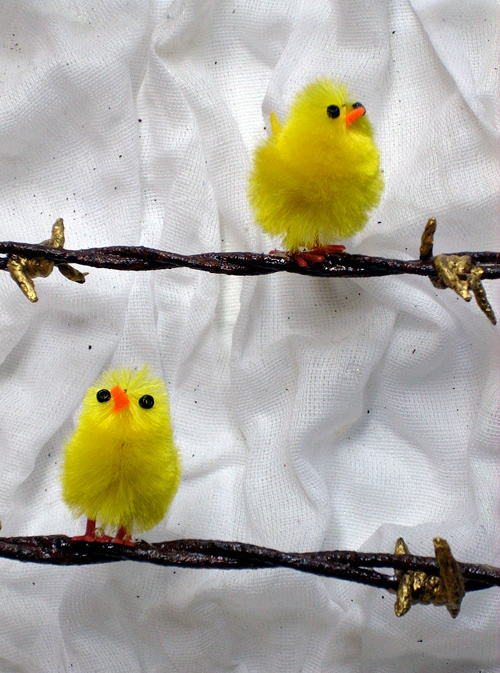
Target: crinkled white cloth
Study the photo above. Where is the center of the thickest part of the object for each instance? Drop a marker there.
(311, 413)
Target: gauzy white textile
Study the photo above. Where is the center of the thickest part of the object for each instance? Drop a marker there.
(310, 413)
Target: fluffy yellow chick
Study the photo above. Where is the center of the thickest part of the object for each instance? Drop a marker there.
(121, 466)
(315, 179)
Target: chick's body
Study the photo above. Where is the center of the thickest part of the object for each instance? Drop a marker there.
(315, 179)
(121, 466)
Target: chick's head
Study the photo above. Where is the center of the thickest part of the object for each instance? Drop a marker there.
(325, 130)
(126, 403)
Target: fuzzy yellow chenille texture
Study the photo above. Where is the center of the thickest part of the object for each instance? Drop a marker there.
(315, 179)
(121, 466)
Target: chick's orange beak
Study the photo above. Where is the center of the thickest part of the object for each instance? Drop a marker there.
(119, 398)
(354, 114)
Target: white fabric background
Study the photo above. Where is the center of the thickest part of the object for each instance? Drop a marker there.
(311, 414)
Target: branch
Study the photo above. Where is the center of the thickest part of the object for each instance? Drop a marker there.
(347, 565)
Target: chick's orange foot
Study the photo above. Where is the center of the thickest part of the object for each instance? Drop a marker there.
(122, 537)
(90, 534)
(314, 255)
(127, 541)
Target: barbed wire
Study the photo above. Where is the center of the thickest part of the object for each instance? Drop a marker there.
(463, 271)
(435, 575)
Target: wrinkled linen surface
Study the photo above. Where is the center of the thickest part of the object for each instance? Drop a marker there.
(310, 413)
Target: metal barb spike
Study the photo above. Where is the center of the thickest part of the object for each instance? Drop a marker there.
(415, 586)
(24, 269)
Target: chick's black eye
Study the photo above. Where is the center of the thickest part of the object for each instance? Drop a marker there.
(358, 104)
(103, 395)
(146, 401)
(333, 111)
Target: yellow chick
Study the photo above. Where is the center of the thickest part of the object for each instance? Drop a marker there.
(121, 466)
(315, 179)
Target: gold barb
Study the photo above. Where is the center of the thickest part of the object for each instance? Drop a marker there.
(455, 271)
(427, 240)
(459, 273)
(415, 586)
(480, 295)
(24, 269)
